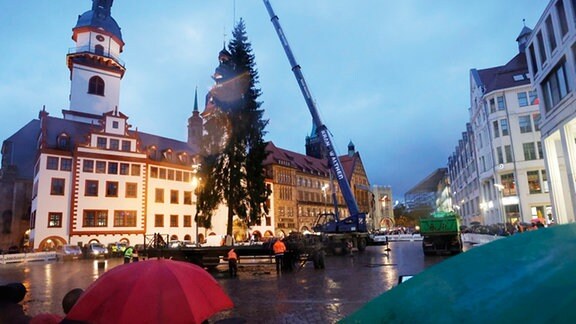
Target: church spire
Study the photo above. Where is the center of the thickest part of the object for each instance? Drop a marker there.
(195, 100)
(195, 124)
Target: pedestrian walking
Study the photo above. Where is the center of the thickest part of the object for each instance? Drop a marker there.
(279, 249)
(232, 263)
(128, 254)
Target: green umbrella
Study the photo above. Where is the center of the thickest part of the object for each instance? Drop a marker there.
(525, 278)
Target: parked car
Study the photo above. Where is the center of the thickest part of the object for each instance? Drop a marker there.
(175, 244)
(97, 250)
(69, 252)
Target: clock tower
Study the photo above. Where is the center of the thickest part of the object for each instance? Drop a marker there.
(95, 65)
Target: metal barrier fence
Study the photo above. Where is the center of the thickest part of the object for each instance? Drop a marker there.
(27, 257)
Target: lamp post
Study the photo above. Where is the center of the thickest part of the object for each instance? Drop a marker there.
(500, 187)
(194, 186)
(324, 188)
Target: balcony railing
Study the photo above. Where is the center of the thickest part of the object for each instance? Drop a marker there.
(92, 49)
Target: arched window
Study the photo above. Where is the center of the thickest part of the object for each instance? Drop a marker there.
(99, 49)
(96, 86)
(63, 141)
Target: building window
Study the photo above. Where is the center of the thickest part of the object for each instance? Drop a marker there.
(501, 102)
(96, 86)
(114, 144)
(170, 174)
(162, 173)
(504, 127)
(99, 50)
(159, 195)
(159, 220)
(573, 3)
(63, 141)
(187, 197)
(135, 169)
(115, 124)
(508, 153)
(545, 181)
(533, 62)
(131, 189)
(555, 86)
(178, 175)
(52, 163)
(492, 106)
(111, 189)
(100, 167)
(540, 152)
(153, 172)
(533, 96)
(88, 166)
(187, 221)
(525, 124)
(562, 17)
(500, 155)
(550, 33)
(173, 196)
(57, 187)
(91, 189)
(173, 220)
(124, 218)
(529, 151)
(522, 99)
(54, 219)
(95, 218)
(124, 168)
(65, 164)
(112, 168)
(534, 182)
(507, 180)
(496, 129)
(101, 142)
(536, 120)
(541, 48)
(126, 146)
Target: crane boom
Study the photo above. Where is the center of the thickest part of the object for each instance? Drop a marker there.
(321, 129)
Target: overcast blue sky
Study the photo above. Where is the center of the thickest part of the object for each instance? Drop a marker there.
(391, 76)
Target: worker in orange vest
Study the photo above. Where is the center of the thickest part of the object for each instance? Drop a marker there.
(232, 263)
(279, 250)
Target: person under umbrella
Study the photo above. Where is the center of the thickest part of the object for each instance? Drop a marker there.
(151, 291)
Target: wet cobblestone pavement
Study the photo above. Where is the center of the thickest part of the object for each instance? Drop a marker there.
(306, 295)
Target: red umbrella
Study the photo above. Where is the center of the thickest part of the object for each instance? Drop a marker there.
(151, 291)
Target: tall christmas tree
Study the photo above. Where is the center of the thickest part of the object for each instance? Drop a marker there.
(233, 143)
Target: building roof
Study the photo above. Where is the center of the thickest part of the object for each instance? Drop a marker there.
(308, 164)
(100, 18)
(512, 74)
(430, 183)
(303, 163)
(19, 150)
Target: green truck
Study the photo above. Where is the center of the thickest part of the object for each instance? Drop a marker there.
(441, 233)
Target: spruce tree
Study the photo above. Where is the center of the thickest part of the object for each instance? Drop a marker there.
(233, 144)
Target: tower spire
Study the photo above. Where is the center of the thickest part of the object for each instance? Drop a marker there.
(195, 100)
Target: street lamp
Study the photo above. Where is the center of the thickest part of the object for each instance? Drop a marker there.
(324, 189)
(195, 184)
(501, 187)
